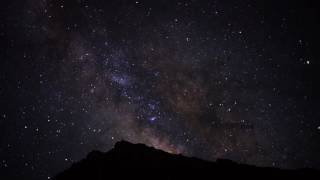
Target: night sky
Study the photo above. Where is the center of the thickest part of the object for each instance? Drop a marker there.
(210, 79)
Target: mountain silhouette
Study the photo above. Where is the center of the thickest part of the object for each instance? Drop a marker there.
(149, 163)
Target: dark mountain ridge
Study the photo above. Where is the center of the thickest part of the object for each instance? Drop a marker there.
(144, 160)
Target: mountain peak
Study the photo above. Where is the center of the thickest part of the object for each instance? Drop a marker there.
(126, 144)
(124, 155)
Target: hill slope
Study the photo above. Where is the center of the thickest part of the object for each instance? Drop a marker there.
(144, 160)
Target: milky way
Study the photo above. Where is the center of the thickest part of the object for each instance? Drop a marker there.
(209, 79)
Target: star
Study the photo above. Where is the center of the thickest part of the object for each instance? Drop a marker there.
(153, 118)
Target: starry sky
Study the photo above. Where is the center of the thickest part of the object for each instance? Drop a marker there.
(204, 78)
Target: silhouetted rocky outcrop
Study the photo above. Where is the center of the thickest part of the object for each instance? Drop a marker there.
(149, 163)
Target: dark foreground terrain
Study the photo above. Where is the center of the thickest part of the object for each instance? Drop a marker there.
(149, 163)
